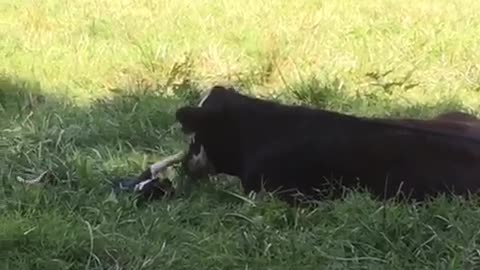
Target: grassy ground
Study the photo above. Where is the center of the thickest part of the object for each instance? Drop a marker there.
(88, 90)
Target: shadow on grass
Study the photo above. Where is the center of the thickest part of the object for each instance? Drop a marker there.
(77, 222)
(83, 148)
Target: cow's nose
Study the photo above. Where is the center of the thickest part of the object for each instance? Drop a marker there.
(192, 169)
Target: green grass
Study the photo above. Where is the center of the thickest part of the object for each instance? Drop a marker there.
(88, 90)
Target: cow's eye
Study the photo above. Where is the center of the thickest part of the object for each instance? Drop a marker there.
(195, 146)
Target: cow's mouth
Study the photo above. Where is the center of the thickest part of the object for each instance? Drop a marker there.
(197, 165)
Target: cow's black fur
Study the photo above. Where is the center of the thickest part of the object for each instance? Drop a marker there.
(293, 147)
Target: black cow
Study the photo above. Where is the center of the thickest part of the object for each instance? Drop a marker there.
(295, 149)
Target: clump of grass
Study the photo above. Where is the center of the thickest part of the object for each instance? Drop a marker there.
(334, 94)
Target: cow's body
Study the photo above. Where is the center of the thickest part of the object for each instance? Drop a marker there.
(281, 148)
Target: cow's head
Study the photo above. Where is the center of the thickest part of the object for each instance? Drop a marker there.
(210, 138)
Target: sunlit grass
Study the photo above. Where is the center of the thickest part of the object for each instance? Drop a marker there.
(87, 47)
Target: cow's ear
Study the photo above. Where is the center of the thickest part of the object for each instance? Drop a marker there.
(192, 118)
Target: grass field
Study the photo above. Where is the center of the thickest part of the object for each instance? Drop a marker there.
(88, 90)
